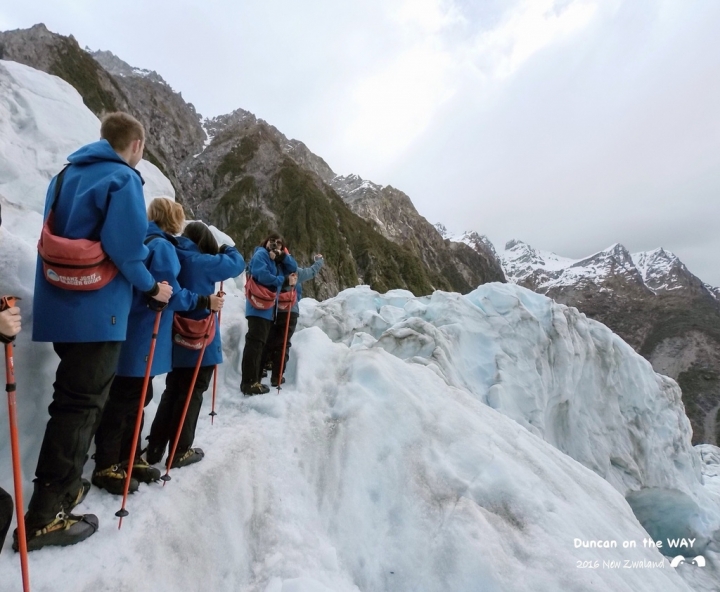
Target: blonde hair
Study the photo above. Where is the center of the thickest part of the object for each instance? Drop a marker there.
(167, 214)
(120, 129)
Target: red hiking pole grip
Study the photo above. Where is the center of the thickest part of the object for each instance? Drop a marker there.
(166, 477)
(122, 512)
(219, 316)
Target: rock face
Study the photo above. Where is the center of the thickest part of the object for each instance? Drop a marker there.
(652, 301)
(247, 178)
(393, 214)
(173, 127)
(251, 179)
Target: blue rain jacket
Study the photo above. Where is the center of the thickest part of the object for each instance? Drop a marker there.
(101, 199)
(200, 272)
(269, 274)
(164, 266)
(305, 274)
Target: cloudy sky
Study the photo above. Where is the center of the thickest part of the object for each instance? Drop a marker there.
(569, 124)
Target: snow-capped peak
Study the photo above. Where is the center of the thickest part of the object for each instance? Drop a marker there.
(658, 270)
(352, 187)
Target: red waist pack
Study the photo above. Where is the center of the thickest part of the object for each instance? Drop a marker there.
(192, 333)
(73, 264)
(264, 298)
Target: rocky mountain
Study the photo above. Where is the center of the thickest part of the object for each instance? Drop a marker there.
(393, 214)
(251, 179)
(173, 126)
(247, 178)
(107, 84)
(652, 301)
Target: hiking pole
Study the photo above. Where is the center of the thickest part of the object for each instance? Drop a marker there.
(219, 315)
(287, 330)
(122, 512)
(9, 302)
(166, 477)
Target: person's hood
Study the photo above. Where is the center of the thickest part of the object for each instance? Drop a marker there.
(99, 151)
(155, 230)
(185, 248)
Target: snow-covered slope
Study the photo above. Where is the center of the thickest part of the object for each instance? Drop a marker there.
(43, 120)
(441, 443)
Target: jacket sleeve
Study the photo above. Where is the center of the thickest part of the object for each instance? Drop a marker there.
(289, 265)
(308, 273)
(124, 230)
(264, 270)
(222, 266)
(165, 267)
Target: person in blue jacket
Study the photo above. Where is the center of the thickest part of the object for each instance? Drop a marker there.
(274, 348)
(202, 265)
(269, 266)
(113, 439)
(101, 198)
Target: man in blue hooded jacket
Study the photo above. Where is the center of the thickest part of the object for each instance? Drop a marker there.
(100, 198)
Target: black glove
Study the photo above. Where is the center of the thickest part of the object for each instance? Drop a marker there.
(156, 305)
(280, 257)
(223, 248)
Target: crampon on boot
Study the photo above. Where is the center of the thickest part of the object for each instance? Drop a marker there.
(64, 530)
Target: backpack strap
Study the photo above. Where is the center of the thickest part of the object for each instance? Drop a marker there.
(58, 186)
(152, 237)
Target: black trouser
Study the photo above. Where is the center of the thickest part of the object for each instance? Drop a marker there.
(114, 435)
(274, 346)
(6, 514)
(82, 382)
(255, 340)
(167, 419)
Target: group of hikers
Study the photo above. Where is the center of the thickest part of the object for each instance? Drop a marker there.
(125, 294)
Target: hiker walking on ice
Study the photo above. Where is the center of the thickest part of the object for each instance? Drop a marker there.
(202, 265)
(269, 266)
(99, 198)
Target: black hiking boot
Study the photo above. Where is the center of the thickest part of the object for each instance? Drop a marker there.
(254, 389)
(189, 457)
(274, 381)
(112, 480)
(142, 471)
(155, 452)
(64, 530)
(81, 494)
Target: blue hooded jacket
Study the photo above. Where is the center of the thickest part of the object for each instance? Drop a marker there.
(164, 265)
(200, 272)
(305, 274)
(101, 199)
(269, 274)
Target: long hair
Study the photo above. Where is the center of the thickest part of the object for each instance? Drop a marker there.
(200, 234)
(167, 214)
(273, 236)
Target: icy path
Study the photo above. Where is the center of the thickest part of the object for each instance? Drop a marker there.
(366, 473)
